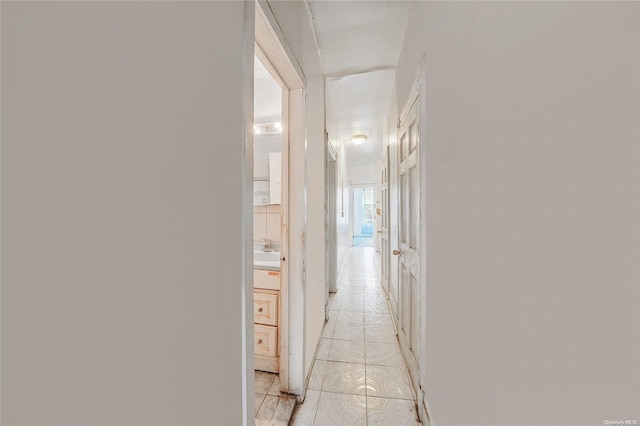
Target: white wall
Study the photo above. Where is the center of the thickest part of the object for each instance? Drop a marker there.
(263, 145)
(533, 315)
(362, 174)
(390, 141)
(121, 272)
(344, 209)
(342, 185)
(296, 27)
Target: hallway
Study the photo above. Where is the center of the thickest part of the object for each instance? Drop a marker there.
(359, 376)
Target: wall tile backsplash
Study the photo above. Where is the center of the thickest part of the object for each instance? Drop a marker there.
(273, 227)
(259, 226)
(266, 223)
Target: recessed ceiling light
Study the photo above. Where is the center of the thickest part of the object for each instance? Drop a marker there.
(358, 139)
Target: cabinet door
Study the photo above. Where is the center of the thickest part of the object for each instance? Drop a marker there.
(265, 340)
(265, 308)
(269, 280)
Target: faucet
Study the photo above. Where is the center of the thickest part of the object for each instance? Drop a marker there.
(268, 246)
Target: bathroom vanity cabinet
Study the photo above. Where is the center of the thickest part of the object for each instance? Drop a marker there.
(266, 319)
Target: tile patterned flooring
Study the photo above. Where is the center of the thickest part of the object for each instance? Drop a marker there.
(271, 408)
(359, 376)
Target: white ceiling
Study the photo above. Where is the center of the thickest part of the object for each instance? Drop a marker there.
(359, 44)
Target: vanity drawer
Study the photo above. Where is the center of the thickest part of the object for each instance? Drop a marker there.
(265, 340)
(266, 279)
(265, 308)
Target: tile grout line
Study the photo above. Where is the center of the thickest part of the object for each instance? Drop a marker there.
(315, 414)
(364, 287)
(395, 398)
(265, 398)
(259, 406)
(324, 373)
(364, 337)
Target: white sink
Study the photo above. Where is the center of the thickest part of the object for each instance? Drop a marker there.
(266, 256)
(269, 260)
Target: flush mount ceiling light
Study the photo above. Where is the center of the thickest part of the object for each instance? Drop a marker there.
(268, 128)
(358, 139)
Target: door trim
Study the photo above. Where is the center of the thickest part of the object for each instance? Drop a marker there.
(274, 51)
(331, 214)
(418, 94)
(384, 227)
(422, 159)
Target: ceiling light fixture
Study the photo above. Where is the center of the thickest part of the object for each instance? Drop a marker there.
(268, 128)
(358, 139)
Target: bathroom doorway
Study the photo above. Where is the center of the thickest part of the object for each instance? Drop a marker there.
(277, 316)
(270, 307)
(267, 217)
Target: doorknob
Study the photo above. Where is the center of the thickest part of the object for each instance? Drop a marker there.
(379, 231)
(396, 252)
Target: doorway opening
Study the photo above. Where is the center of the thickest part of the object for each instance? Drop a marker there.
(363, 215)
(275, 297)
(267, 217)
(270, 240)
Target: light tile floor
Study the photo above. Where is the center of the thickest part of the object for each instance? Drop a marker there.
(272, 408)
(359, 376)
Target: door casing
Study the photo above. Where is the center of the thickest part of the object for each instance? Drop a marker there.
(271, 47)
(417, 99)
(383, 220)
(331, 157)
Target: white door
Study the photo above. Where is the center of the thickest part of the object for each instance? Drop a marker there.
(409, 236)
(383, 221)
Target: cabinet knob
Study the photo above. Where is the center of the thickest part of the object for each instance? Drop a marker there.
(260, 310)
(396, 252)
(259, 341)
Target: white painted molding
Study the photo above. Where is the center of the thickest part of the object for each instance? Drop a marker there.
(271, 39)
(297, 223)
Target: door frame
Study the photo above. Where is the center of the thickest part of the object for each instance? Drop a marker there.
(393, 198)
(377, 228)
(422, 99)
(417, 94)
(275, 53)
(384, 219)
(331, 215)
